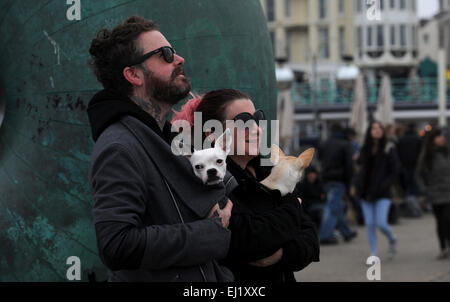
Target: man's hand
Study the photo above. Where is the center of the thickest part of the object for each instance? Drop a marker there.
(269, 260)
(224, 213)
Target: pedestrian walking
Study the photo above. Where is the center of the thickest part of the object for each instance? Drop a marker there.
(313, 195)
(433, 175)
(379, 168)
(409, 147)
(336, 157)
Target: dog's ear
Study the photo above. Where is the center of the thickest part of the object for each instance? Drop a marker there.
(225, 146)
(276, 154)
(306, 157)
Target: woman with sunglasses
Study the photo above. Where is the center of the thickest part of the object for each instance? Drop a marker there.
(271, 235)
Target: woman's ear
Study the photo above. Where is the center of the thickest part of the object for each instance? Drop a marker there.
(133, 75)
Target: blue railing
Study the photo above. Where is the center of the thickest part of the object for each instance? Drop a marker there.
(420, 91)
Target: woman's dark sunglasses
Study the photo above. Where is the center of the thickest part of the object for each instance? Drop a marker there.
(166, 51)
(245, 116)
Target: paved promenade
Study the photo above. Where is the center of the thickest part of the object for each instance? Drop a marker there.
(415, 260)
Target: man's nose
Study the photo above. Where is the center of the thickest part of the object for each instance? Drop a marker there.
(179, 60)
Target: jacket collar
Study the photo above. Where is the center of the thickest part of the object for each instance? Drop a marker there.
(107, 107)
(177, 170)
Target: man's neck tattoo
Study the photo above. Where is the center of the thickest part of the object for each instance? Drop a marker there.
(151, 107)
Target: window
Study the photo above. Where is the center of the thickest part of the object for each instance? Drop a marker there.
(380, 36)
(414, 36)
(323, 9)
(287, 8)
(359, 5)
(403, 35)
(272, 39)
(381, 4)
(413, 5)
(359, 37)
(341, 41)
(402, 4)
(426, 38)
(288, 45)
(323, 43)
(392, 35)
(369, 36)
(341, 5)
(270, 6)
(392, 3)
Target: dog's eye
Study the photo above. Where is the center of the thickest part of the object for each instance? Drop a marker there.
(219, 161)
(198, 167)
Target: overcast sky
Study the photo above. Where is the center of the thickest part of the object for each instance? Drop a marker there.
(427, 8)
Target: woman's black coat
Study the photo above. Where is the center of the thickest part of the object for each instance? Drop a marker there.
(261, 223)
(377, 174)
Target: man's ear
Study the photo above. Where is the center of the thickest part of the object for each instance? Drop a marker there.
(133, 75)
(220, 141)
(276, 154)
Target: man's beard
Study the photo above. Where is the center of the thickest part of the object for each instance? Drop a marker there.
(167, 92)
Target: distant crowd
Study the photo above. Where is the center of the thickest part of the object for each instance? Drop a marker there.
(398, 171)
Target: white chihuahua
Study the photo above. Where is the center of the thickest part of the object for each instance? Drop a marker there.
(210, 164)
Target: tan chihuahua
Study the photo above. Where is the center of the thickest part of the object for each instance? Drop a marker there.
(287, 171)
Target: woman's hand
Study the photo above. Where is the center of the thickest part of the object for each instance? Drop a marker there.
(271, 260)
(224, 214)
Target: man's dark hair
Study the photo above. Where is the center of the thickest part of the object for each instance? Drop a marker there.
(336, 128)
(349, 132)
(111, 50)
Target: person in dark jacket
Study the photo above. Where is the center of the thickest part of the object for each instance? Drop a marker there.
(433, 174)
(409, 147)
(379, 168)
(313, 195)
(154, 219)
(271, 236)
(335, 155)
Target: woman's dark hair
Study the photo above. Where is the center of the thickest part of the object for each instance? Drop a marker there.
(214, 103)
(112, 50)
(366, 150)
(430, 148)
(212, 106)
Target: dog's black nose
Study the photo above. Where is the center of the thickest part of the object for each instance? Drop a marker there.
(211, 172)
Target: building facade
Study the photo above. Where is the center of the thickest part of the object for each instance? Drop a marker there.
(312, 34)
(381, 35)
(388, 41)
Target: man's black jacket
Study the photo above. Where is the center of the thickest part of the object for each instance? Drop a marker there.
(335, 156)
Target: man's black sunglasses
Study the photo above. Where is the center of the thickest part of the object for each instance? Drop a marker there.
(245, 116)
(166, 51)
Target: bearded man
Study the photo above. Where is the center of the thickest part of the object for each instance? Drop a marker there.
(154, 219)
